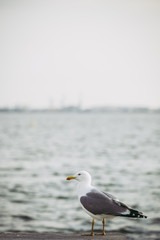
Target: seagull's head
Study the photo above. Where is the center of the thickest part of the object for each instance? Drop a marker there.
(81, 176)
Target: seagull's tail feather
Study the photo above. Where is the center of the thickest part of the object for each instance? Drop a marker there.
(129, 212)
(135, 214)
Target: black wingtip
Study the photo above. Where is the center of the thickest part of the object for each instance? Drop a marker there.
(142, 216)
(136, 214)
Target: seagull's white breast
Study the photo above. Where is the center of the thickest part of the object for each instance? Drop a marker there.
(83, 189)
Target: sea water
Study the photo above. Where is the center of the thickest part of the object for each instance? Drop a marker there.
(39, 150)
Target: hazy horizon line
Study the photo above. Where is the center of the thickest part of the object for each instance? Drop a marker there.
(77, 106)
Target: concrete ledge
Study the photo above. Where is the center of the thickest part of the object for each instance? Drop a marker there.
(57, 236)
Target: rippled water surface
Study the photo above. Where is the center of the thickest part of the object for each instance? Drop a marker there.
(39, 150)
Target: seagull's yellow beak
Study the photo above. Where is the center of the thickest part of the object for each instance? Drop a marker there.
(70, 177)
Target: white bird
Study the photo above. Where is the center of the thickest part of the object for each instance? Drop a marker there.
(100, 205)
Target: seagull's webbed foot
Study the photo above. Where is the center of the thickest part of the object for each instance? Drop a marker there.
(88, 234)
(102, 234)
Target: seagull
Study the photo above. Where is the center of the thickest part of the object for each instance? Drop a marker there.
(98, 204)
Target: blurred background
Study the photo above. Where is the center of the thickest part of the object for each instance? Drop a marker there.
(79, 89)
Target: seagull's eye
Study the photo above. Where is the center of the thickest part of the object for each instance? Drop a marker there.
(79, 174)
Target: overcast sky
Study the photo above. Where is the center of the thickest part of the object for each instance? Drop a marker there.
(97, 52)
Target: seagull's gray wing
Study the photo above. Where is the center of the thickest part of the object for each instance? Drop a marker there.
(99, 203)
(110, 195)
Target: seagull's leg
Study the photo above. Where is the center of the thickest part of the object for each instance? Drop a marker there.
(103, 233)
(92, 233)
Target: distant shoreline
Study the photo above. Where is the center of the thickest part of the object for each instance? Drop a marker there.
(76, 109)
